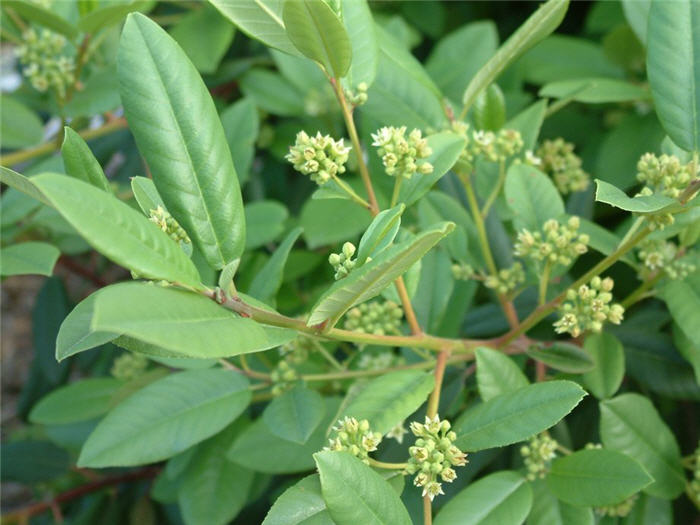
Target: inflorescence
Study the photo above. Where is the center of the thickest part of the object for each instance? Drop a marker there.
(587, 308)
(379, 318)
(557, 158)
(538, 455)
(354, 437)
(557, 243)
(45, 65)
(402, 156)
(321, 157)
(342, 262)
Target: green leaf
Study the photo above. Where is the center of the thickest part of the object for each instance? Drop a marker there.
(517, 415)
(595, 90)
(76, 333)
(566, 357)
(502, 498)
(30, 462)
(629, 423)
(177, 129)
(259, 19)
(609, 365)
(80, 162)
(21, 183)
(363, 40)
(29, 133)
(318, 33)
(269, 278)
(496, 373)
(109, 15)
(241, 123)
(50, 309)
(26, 258)
(683, 300)
(184, 323)
(265, 220)
(295, 415)
(596, 477)
(273, 93)
(42, 16)
(146, 194)
(371, 278)
(166, 417)
(649, 510)
(602, 239)
(637, 15)
(380, 233)
(118, 231)
(389, 399)
(79, 401)
(490, 109)
(529, 122)
(532, 196)
(540, 25)
(437, 206)
(300, 504)
(648, 204)
(546, 508)
(205, 36)
(354, 493)
(673, 44)
(212, 489)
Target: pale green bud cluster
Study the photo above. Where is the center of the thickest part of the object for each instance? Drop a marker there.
(433, 455)
(169, 225)
(563, 165)
(507, 279)
(664, 174)
(379, 361)
(129, 366)
(402, 156)
(354, 437)
(359, 96)
(284, 376)
(321, 157)
(496, 147)
(398, 432)
(538, 455)
(557, 243)
(466, 158)
(342, 262)
(379, 318)
(592, 446)
(618, 510)
(462, 272)
(587, 308)
(660, 255)
(45, 65)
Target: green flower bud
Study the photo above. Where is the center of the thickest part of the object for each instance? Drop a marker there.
(402, 156)
(129, 366)
(588, 308)
(559, 161)
(537, 455)
(320, 157)
(355, 437)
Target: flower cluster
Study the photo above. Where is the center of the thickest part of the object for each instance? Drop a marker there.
(660, 255)
(507, 279)
(434, 455)
(284, 376)
(377, 318)
(402, 156)
(557, 243)
(44, 63)
(342, 262)
(462, 272)
(588, 308)
(621, 509)
(537, 455)
(496, 147)
(321, 157)
(358, 97)
(665, 174)
(129, 366)
(563, 165)
(169, 225)
(354, 437)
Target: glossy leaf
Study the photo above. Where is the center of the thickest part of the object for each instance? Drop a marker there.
(637, 15)
(595, 90)
(371, 278)
(265, 221)
(205, 36)
(79, 401)
(532, 196)
(76, 333)
(517, 415)
(596, 477)
(300, 504)
(269, 278)
(646, 204)
(683, 300)
(563, 356)
(27, 258)
(354, 493)
(609, 365)
(166, 417)
(496, 373)
(80, 162)
(21, 183)
(29, 133)
(294, 415)
(146, 194)
(380, 233)
(42, 16)
(359, 25)
(109, 15)
(629, 423)
(136, 243)
(241, 123)
(547, 508)
(529, 122)
(177, 129)
(502, 498)
(490, 109)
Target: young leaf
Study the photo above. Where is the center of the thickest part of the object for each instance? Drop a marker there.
(532, 196)
(389, 399)
(80, 162)
(609, 194)
(30, 133)
(177, 129)
(166, 417)
(354, 493)
(502, 498)
(146, 194)
(540, 25)
(79, 401)
(21, 183)
(295, 415)
(363, 40)
(490, 109)
(181, 322)
(497, 373)
(371, 278)
(629, 423)
(76, 333)
(563, 356)
(300, 504)
(318, 33)
(596, 477)
(380, 233)
(674, 71)
(517, 415)
(27, 258)
(269, 278)
(118, 231)
(609, 365)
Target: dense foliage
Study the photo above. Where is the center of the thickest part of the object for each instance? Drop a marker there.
(321, 261)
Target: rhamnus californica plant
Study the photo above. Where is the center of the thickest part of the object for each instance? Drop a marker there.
(587, 308)
(557, 243)
(321, 157)
(359, 96)
(433, 455)
(538, 455)
(129, 366)
(169, 225)
(557, 158)
(663, 174)
(462, 271)
(658, 255)
(355, 437)
(402, 156)
(375, 317)
(342, 262)
(619, 510)
(45, 64)
(506, 280)
(496, 147)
